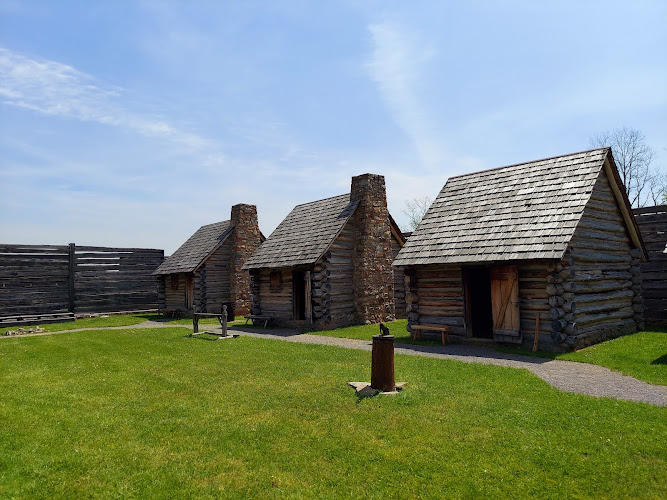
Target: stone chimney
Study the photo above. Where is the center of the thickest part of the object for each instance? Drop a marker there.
(245, 240)
(373, 278)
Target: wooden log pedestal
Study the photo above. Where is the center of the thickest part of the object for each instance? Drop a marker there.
(382, 363)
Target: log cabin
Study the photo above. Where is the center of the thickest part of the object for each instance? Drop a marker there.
(545, 253)
(329, 262)
(206, 272)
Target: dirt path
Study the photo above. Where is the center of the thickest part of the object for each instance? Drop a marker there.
(568, 376)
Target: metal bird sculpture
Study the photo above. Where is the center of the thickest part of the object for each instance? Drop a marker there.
(383, 330)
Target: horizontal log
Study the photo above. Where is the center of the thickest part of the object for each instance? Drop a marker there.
(596, 286)
(598, 257)
(601, 225)
(603, 318)
(601, 206)
(601, 245)
(597, 307)
(533, 306)
(583, 277)
(423, 294)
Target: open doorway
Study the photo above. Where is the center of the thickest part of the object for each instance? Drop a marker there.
(479, 316)
(298, 295)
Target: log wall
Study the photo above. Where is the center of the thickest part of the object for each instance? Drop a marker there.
(652, 223)
(38, 279)
(34, 279)
(173, 299)
(115, 279)
(399, 283)
(339, 261)
(212, 283)
(276, 302)
(600, 280)
(534, 300)
(434, 295)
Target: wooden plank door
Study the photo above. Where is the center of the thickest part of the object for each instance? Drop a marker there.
(505, 304)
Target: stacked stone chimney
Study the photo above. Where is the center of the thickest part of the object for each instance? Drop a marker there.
(373, 279)
(245, 240)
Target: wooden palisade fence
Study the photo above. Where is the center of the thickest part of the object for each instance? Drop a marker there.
(66, 279)
(652, 223)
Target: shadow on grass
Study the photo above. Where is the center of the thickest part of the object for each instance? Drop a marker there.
(662, 360)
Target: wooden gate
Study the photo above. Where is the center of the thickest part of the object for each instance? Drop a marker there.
(505, 304)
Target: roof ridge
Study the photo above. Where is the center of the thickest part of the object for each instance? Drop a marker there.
(323, 199)
(228, 221)
(527, 162)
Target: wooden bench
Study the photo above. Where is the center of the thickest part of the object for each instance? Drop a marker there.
(255, 317)
(443, 329)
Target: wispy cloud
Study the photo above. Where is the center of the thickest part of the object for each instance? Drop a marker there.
(53, 88)
(396, 65)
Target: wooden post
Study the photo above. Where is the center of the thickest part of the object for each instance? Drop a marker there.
(308, 298)
(382, 363)
(224, 320)
(195, 323)
(537, 332)
(72, 270)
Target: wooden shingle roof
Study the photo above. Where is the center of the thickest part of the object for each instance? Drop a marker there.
(196, 249)
(524, 211)
(305, 234)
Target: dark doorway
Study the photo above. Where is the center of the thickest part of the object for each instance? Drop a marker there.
(479, 316)
(299, 295)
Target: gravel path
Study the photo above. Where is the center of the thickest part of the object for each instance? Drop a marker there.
(568, 376)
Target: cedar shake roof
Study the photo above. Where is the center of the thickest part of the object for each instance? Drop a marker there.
(305, 234)
(198, 247)
(524, 211)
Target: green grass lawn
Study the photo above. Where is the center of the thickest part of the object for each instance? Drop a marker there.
(98, 322)
(365, 332)
(151, 413)
(642, 355)
(124, 320)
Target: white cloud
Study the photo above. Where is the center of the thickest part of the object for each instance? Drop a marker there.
(56, 89)
(396, 65)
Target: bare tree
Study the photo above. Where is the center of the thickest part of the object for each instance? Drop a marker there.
(415, 210)
(633, 158)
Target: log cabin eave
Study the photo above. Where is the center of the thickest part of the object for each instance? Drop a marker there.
(624, 205)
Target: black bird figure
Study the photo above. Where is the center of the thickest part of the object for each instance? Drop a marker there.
(383, 330)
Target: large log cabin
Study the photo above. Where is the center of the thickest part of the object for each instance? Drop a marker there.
(547, 248)
(329, 262)
(206, 272)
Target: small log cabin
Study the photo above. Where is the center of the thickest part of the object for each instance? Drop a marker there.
(329, 263)
(206, 271)
(547, 248)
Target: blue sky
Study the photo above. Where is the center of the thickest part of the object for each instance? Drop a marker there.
(133, 123)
